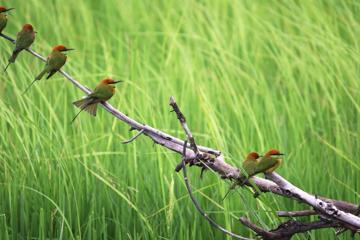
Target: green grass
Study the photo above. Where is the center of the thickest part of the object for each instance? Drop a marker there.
(249, 75)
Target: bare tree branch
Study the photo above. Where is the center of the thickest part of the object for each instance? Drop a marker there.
(301, 213)
(321, 206)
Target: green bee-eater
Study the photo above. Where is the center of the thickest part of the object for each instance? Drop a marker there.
(24, 39)
(54, 62)
(3, 17)
(249, 165)
(255, 164)
(103, 92)
(270, 161)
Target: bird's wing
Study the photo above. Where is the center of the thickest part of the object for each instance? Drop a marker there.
(250, 167)
(24, 40)
(102, 93)
(56, 60)
(265, 163)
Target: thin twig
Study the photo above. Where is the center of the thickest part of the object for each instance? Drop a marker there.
(182, 120)
(301, 213)
(197, 205)
(134, 137)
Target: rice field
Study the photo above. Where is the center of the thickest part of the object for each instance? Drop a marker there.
(248, 75)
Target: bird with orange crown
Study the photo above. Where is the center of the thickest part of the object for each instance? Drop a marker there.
(249, 166)
(24, 39)
(269, 162)
(255, 164)
(3, 17)
(54, 62)
(103, 92)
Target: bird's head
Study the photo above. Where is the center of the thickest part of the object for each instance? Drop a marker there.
(252, 156)
(108, 81)
(273, 152)
(62, 48)
(4, 9)
(28, 27)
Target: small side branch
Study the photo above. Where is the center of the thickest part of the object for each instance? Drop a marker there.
(301, 213)
(183, 123)
(134, 137)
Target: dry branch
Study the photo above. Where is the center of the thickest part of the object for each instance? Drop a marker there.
(287, 230)
(324, 208)
(301, 213)
(337, 212)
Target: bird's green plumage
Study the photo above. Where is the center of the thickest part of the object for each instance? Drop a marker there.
(24, 39)
(268, 164)
(101, 93)
(3, 21)
(53, 64)
(250, 167)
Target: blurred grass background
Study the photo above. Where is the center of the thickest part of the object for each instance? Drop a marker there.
(249, 75)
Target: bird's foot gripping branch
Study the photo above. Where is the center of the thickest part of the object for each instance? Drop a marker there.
(332, 213)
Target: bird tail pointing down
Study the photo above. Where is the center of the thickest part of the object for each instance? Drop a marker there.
(40, 76)
(12, 58)
(88, 104)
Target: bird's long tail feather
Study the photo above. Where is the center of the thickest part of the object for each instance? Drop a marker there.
(12, 58)
(7, 65)
(230, 188)
(40, 76)
(88, 104)
(28, 87)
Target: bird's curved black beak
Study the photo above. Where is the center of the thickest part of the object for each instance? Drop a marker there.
(68, 49)
(8, 9)
(280, 154)
(115, 82)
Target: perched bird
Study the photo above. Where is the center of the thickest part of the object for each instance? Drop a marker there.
(250, 167)
(103, 92)
(255, 164)
(270, 161)
(24, 39)
(54, 62)
(3, 17)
